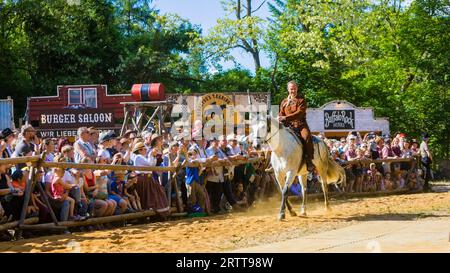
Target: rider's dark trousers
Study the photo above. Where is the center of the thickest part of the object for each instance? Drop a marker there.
(305, 136)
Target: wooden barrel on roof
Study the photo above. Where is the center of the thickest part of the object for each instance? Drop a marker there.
(148, 92)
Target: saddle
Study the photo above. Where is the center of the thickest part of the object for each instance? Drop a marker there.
(300, 141)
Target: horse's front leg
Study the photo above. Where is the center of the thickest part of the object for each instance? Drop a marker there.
(303, 181)
(288, 180)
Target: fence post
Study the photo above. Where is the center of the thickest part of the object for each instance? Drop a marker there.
(26, 200)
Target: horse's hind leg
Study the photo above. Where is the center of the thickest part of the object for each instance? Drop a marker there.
(284, 190)
(289, 206)
(324, 182)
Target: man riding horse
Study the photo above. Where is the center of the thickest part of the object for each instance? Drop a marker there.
(293, 115)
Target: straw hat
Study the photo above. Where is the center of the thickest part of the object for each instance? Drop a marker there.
(137, 147)
(129, 132)
(124, 140)
(154, 138)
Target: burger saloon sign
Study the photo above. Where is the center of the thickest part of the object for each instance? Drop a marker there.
(65, 122)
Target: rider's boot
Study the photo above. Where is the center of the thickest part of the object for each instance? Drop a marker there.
(309, 155)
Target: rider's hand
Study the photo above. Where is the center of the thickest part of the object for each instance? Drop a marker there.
(281, 118)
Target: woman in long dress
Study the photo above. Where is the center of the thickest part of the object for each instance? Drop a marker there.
(150, 192)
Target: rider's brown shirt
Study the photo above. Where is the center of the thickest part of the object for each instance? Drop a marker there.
(295, 111)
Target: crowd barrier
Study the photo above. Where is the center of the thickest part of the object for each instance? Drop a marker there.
(36, 162)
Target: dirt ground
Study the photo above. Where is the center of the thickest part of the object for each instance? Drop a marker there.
(240, 230)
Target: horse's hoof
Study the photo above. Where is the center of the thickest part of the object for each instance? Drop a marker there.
(293, 214)
(281, 217)
(328, 210)
(303, 213)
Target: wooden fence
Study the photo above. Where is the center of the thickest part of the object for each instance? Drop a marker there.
(37, 162)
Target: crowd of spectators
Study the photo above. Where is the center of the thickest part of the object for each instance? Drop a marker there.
(77, 193)
(355, 154)
(364, 176)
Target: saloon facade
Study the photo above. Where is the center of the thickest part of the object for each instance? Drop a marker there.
(75, 106)
(338, 118)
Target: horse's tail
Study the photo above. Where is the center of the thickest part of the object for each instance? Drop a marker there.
(335, 173)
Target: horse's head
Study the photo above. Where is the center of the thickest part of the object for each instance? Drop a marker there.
(261, 127)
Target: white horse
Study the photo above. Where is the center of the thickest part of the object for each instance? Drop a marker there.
(287, 161)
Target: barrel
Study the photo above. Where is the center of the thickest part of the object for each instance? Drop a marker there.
(148, 92)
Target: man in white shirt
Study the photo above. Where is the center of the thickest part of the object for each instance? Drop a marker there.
(83, 148)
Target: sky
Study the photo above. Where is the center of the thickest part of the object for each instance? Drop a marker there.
(205, 13)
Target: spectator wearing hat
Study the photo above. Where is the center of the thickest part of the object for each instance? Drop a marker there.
(130, 134)
(427, 159)
(125, 149)
(104, 142)
(7, 138)
(415, 147)
(151, 193)
(115, 144)
(83, 147)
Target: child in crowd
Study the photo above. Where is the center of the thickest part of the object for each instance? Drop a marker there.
(388, 183)
(19, 179)
(117, 185)
(411, 180)
(241, 197)
(194, 187)
(398, 176)
(420, 180)
(60, 189)
(101, 181)
(374, 178)
(131, 193)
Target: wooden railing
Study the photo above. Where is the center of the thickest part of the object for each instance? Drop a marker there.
(37, 162)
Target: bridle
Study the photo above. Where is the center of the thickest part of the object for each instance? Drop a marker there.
(267, 139)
